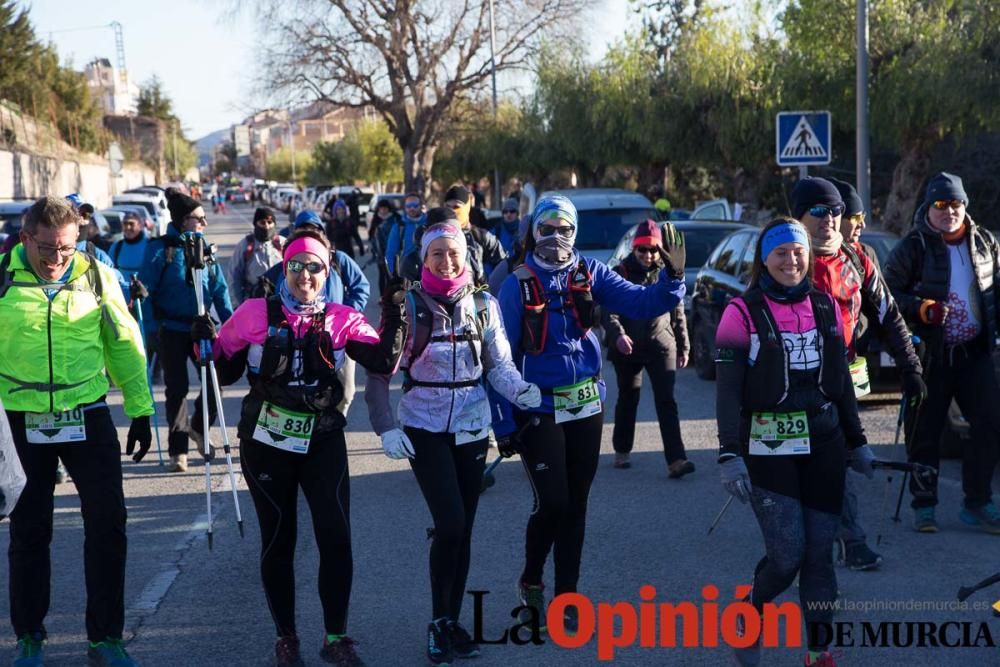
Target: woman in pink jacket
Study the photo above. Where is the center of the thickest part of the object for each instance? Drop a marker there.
(291, 434)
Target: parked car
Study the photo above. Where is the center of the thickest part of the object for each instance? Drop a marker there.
(237, 194)
(700, 239)
(11, 220)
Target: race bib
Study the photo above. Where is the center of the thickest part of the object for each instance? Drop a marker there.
(576, 401)
(55, 427)
(465, 437)
(859, 377)
(284, 429)
(779, 433)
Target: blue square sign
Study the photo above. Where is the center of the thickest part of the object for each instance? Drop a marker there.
(802, 138)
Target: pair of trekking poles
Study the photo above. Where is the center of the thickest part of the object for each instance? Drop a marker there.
(194, 258)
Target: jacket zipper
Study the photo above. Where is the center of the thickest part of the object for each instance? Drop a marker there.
(52, 378)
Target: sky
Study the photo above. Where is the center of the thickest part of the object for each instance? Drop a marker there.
(204, 55)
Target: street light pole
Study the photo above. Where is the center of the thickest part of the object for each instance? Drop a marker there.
(291, 141)
(863, 163)
(493, 72)
(174, 141)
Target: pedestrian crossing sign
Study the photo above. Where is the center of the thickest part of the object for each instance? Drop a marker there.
(802, 138)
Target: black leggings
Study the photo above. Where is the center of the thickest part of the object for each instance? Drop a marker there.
(662, 375)
(561, 461)
(274, 477)
(797, 502)
(450, 477)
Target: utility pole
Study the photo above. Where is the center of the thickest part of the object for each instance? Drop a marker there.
(863, 163)
(291, 141)
(493, 71)
(173, 125)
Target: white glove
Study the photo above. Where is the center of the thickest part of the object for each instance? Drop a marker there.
(530, 396)
(396, 444)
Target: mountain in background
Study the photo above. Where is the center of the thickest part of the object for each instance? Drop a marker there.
(206, 145)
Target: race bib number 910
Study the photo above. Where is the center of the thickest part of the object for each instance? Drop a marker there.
(55, 427)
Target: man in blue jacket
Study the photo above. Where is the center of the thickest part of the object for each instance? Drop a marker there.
(165, 276)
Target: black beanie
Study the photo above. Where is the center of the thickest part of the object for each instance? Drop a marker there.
(946, 187)
(262, 213)
(440, 214)
(852, 200)
(813, 191)
(457, 193)
(180, 205)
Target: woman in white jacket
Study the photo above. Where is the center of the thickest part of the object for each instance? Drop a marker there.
(455, 337)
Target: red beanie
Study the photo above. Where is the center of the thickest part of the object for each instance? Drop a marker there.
(648, 234)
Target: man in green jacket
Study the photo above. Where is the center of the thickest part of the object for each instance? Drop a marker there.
(67, 328)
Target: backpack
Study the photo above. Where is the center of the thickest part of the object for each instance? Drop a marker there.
(423, 320)
(249, 240)
(534, 318)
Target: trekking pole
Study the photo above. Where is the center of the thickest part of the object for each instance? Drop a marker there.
(488, 478)
(906, 473)
(195, 252)
(721, 512)
(149, 374)
(888, 479)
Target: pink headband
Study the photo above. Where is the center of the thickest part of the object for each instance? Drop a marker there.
(309, 245)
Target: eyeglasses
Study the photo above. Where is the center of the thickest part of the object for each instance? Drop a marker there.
(510, 211)
(646, 250)
(942, 204)
(200, 218)
(823, 211)
(549, 230)
(47, 250)
(412, 205)
(296, 266)
(856, 219)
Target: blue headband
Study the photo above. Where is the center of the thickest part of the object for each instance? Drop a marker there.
(786, 232)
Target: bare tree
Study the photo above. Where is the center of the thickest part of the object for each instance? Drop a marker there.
(409, 60)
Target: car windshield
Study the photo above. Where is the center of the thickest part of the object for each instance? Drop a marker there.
(601, 229)
(700, 241)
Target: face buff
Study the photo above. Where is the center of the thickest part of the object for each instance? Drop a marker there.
(554, 246)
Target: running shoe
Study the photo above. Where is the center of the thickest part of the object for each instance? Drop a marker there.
(571, 621)
(61, 474)
(622, 460)
(679, 468)
(286, 652)
(439, 650)
(199, 440)
(461, 642)
(534, 597)
(340, 652)
(858, 556)
(986, 518)
(29, 650)
(923, 520)
(178, 463)
(109, 653)
(824, 659)
(749, 656)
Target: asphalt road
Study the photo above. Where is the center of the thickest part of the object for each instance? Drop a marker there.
(187, 605)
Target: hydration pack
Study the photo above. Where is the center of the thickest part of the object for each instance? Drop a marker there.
(534, 318)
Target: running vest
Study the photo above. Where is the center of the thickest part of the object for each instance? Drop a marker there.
(423, 323)
(535, 319)
(250, 239)
(297, 374)
(769, 382)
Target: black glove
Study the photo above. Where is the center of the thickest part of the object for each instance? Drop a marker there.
(914, 388)
(394, 294)
(202, 328)
(672, 252)
(509, 445)
(139, 432)
(137, 290)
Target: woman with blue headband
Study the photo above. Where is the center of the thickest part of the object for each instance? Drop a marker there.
(549, 311)
(788, 424)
